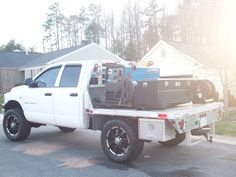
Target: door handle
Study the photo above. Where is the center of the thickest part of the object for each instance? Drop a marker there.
(73, 94)
(48, 94)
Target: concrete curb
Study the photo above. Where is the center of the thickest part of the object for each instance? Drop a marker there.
(224, 139)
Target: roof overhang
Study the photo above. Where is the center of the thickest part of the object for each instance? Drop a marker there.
(31, 68)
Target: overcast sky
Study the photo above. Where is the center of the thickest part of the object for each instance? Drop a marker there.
(22, 19)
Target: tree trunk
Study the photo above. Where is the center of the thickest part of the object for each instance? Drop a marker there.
(224, 81)
(226, 97)
(226, 104)
(57, 30)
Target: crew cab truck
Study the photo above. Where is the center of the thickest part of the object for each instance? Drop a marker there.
(61, 95)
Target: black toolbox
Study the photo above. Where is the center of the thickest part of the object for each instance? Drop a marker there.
(163, 93)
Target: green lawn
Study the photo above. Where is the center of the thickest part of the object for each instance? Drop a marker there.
(1, 101)
(227, 128)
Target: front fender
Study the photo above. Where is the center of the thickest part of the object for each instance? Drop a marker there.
(14, 99)
(12, 104)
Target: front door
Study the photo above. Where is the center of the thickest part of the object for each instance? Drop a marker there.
(38, 100)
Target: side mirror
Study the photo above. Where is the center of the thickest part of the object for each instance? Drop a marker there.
(28, 81)
(40, 84)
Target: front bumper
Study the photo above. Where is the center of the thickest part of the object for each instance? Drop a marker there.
(3, 109)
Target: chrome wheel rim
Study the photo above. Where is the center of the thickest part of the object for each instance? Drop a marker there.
(117, 141)
(12, 125)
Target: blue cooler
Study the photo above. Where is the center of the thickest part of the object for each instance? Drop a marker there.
(142, 73)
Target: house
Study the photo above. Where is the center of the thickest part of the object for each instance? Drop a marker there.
(17, 66)
(178, 59)
(10, 62)
(87, 52)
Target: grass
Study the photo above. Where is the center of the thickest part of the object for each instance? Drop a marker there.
(227, 128)
(1, 101)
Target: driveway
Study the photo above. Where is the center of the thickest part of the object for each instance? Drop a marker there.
(49, 152)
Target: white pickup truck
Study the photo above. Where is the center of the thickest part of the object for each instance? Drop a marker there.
(60, 96)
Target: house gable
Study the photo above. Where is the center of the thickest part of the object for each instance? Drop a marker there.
(170, 60)
(89, 52)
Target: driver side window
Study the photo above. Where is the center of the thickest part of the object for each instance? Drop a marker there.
(48, 78)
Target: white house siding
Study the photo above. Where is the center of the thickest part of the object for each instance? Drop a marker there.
(28, 74)
(31, 73)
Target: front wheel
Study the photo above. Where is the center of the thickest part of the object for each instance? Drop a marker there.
(120, 142)
(174, 142)
(15, 126)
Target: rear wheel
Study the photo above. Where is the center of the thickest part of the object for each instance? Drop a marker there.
(120, 142)
(138, 150)
(66, 130)
(15, 126)
(174, 142)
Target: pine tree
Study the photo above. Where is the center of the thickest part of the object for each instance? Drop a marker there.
(53, 25)
(152, 24)
(12, 46)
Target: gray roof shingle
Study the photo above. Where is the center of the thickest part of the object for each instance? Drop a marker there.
(47, 57)
(16, 59)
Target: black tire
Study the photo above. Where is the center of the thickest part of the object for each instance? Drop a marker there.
(138, 150)
(15, 125)
(66, 130)
(174, 142)
(212, 89)
(120, 142)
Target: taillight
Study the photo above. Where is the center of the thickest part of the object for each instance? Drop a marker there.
(161, 116)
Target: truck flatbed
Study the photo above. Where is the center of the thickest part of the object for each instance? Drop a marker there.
(180, 111)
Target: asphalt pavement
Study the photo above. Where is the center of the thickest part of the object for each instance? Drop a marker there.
(49, 152)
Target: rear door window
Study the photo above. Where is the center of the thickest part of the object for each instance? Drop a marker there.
(70, 76)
